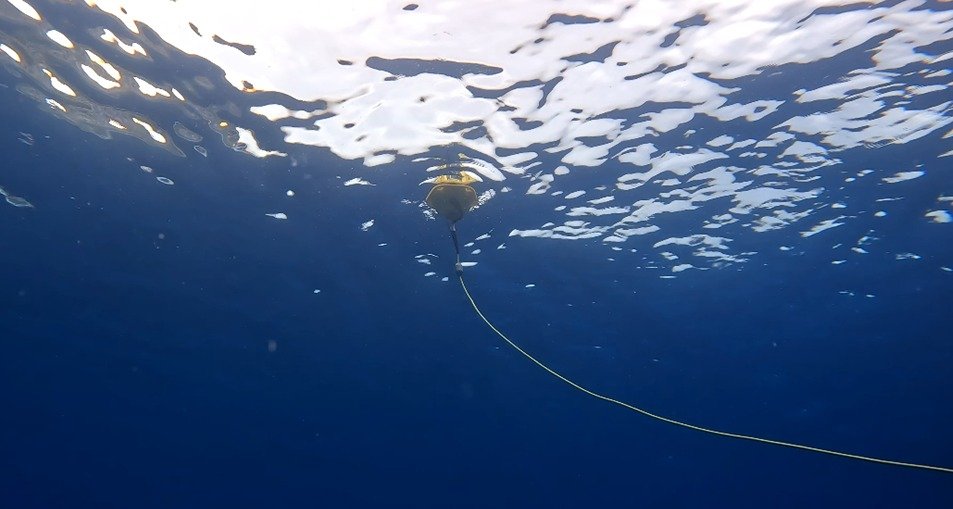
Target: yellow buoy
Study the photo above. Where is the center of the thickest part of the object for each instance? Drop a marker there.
(452, 197)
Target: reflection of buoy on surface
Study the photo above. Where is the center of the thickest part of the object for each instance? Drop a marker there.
(452, 197)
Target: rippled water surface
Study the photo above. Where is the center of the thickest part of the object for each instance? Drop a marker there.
(222, 285)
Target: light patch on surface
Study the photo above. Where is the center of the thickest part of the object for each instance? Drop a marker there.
(642, 230)
(108, 68)
(595, 211)
(379, 159)
(695, 241)
(10, 52)
(366, 225)
(485, 168)
(275, 112)
(721, 141)
(280, 215)
(246, 139)
(155, 135)
(823, 226)
(25, 8)
(357, 181)
(165, 180)
(604, 199)
(542, 186)
(838, 90)
(940, 216)
(131, 49)
(902, 176)
(16, 201)
(149, 89)
(56, 104)
(58, 84)
(99, 80)
(58, 37)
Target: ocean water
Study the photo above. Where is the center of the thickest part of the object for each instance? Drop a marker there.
(220, 285)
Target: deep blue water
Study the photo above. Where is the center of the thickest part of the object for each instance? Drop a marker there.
(136, 319)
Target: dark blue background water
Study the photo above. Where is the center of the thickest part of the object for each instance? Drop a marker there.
(135, 370)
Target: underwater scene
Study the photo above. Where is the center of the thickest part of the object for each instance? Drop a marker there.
(472, 254)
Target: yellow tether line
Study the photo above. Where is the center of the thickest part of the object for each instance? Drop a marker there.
(685, 424)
